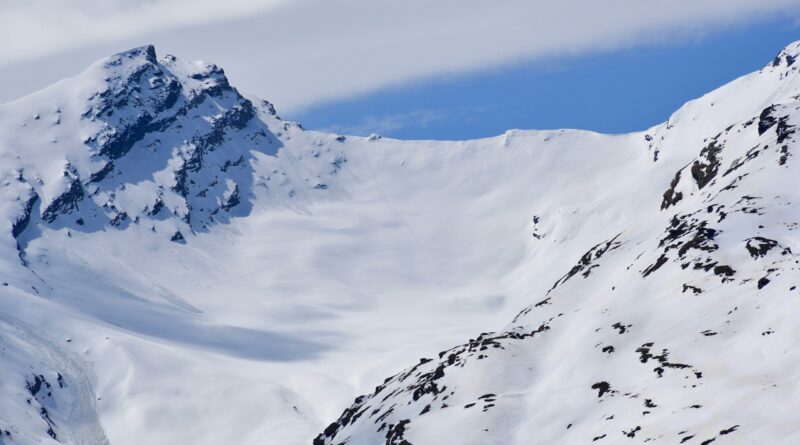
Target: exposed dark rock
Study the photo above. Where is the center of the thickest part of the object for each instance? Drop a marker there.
(395, 433)
(228, 164)
(621, 328)
(232, 200)
(706, 167)
(122, 140)
(660, 261)
(728, 430)
(348, 416)
(21, 222)
(118, 219)
(589, 260)
(784, 155)
(784, 130)
(632, 432)
(102, 173)
(671, 197)
(695, 290)
(724, 271)
(759, 246)
(157, 207)
(766, 120)
(178, 238)
(64, 203)
(38, 384)
(602, 388)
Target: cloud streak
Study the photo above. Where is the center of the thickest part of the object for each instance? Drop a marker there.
(38, 28)
(305, 52)
(390, 123)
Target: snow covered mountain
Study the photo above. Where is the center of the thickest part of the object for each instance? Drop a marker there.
(180, 265)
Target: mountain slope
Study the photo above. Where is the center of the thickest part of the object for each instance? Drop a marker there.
(676, 329)
(174, 251)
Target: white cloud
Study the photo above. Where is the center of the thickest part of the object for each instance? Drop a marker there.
(302, 52)
(37, 28)
(390, 123)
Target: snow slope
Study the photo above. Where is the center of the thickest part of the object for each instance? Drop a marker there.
(180, 265)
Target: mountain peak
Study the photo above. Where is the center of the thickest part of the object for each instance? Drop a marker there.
(124, 71)
(147, 52)
(137, 139)
(126, 62)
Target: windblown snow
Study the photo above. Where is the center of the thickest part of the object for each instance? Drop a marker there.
(180, 265)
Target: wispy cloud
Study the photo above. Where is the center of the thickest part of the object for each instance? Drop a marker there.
(389, 124)
(302, 52)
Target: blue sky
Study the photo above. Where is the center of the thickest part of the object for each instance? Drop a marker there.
(613, 92)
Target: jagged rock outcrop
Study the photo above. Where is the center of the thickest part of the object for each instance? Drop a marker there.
(152, 134)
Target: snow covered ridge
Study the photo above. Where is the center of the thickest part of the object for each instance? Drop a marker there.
(180, 265)
(675, 332)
